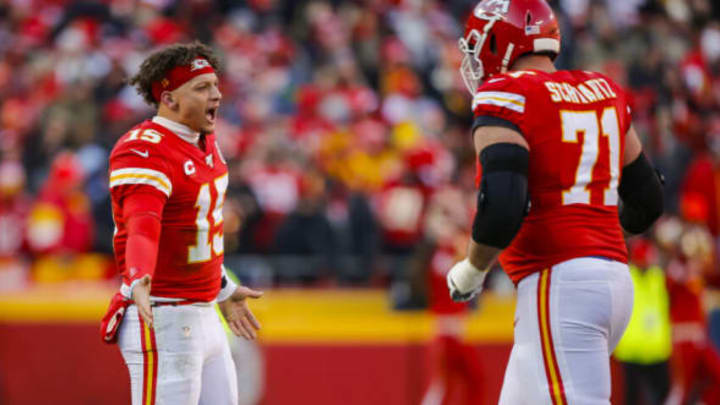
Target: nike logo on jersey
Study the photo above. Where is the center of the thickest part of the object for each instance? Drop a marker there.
(143, 154)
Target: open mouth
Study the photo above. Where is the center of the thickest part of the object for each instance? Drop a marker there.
(211, 114)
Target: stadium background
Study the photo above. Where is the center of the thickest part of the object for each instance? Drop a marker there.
(345, 125)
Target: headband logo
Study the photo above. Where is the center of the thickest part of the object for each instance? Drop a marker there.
(199, 64)
(165, 82)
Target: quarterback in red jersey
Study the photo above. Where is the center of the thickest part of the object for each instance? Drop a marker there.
(557, 153)
(168, 182)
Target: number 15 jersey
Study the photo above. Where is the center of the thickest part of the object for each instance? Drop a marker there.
(152, 159)
(575, 124)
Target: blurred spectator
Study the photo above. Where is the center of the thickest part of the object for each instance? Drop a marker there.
(276, 183)
(456, 374)
(701, 183)
(241, 217)
(60, 220)
(644, 349)
(356, 230)
(14, 207)
(401, 208)
(306, 230)
(695, 362)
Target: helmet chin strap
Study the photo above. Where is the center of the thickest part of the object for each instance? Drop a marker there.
(506, 58)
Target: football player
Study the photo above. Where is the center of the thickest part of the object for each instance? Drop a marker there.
(557, 154)
(168, 182)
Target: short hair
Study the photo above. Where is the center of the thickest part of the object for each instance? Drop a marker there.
(156, 66)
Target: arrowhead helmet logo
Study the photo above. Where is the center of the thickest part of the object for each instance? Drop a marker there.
(492, 7)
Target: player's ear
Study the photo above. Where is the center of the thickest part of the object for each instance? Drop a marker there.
(169, 100)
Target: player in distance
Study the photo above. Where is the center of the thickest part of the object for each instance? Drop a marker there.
(557, 153)
(167, 183)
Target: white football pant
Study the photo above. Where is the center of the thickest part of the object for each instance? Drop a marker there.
(184, 360)
(568, 321)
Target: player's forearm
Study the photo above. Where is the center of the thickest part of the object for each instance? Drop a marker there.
(482, 256)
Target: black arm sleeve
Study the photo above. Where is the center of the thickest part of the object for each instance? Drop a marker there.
(642, 195)
(492, 121)
(503, 199)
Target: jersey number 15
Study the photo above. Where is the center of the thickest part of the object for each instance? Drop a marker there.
(205, 243)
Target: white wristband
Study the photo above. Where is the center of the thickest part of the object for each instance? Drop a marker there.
(228, 289)
(466, 276)
(127, 291)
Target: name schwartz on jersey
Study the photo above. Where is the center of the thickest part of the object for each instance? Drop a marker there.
(587, 92)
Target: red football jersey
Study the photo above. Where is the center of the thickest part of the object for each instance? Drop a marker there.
(152, 159)
(575, 124)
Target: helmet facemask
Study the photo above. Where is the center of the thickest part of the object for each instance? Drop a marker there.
(471, 68)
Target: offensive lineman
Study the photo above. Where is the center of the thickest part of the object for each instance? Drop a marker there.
(168, 182)
(557, 153)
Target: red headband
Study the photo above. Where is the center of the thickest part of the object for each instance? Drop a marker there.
(179, 75)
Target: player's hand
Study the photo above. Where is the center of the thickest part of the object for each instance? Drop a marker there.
(141, 296)
(465, 281)
(237, 313)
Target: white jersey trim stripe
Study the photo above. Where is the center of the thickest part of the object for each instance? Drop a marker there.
(499, 103)
(135, 175)
(512, 101)
(502, 94)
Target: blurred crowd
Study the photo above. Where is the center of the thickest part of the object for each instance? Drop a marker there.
(345, 123)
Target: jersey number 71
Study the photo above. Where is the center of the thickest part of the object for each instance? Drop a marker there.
(587, 122)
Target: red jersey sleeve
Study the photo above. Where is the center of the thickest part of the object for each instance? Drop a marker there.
(138, 166)
(141, 216)
(501, 97)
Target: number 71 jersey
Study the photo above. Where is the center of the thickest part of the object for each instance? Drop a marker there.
(152, 159)
(575, 124)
